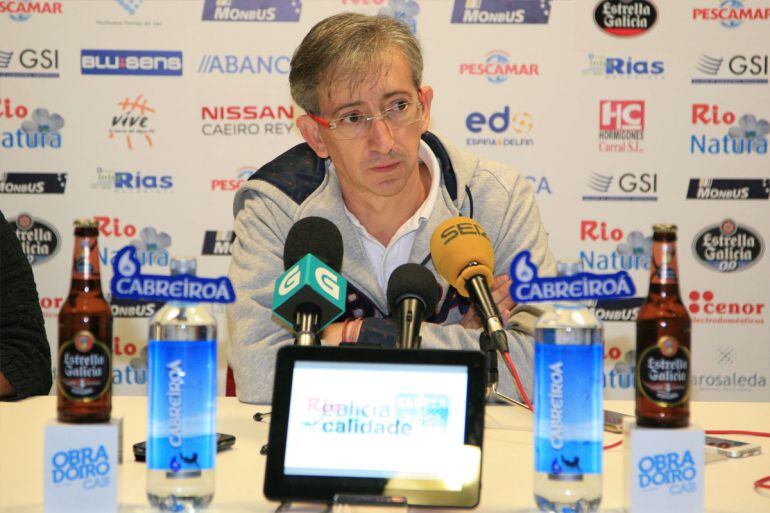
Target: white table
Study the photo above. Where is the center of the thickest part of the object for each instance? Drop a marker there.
(506, 478)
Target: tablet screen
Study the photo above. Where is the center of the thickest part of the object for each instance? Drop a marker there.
(375, 420)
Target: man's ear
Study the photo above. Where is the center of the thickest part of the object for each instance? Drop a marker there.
(311, 132)
(427, 93)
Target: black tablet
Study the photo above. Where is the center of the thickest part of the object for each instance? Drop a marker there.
(378, 422)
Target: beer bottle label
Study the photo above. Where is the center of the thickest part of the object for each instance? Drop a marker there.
(568, 409)
(664, 372)
(182, 394)
(664, 266)
(84, 370)
(85, 265)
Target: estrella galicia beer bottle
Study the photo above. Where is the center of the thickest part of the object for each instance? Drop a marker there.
(84, 362)
(663, 341)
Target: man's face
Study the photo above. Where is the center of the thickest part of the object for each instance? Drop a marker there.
(382, 162)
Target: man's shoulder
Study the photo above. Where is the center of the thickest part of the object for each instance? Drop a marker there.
(297, 172)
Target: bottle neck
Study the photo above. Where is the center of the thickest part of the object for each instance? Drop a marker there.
(664, 269)
(86, 273)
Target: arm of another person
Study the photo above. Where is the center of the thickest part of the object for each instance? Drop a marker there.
(519, 228)
(25, 356)
(255, 335)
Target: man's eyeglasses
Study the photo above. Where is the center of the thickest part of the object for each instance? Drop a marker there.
(356, 124)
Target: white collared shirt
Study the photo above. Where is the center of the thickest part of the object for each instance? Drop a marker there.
(386, 259)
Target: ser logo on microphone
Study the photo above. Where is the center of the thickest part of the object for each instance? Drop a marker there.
(464, 228)
(324, 278)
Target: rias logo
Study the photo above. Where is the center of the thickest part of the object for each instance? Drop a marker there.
(497, 68)
(39, 129)
(132, 181)
(623, 67)
(625, 18)
(500, 128)
(728, 247)
(501, 11)
(730, 13)
(251, 10)
(39, 239)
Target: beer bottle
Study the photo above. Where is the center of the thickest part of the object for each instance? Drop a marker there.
(84, 362)
(663, 341)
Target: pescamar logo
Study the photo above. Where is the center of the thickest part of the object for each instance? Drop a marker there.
(621, 126)
(514, 130)
(728, 247)
(232, 184)
(730, 13)
(251, 10)
(501, 11)
(40, 129)
(39, 239)
(734, 69)
(22, 10)
(29, 63)
(217, 242)
(497, 67)
(705, 309)
(749, 136)
(131, 62)
(228, 64)
(625, 18)
(32, 183)
(247, 120)
(626, 187)
(619, 67)
(728, 189)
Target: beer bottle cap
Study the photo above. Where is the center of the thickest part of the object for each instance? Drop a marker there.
(569, 267)
(664, 228)
(86, 222)
(183, 265)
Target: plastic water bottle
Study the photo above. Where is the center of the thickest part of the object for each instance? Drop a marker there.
(181, 396)
(568, 407)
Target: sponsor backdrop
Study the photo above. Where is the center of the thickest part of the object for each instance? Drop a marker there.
(149, 114)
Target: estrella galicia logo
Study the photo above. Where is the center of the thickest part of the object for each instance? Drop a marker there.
(527, 286)
(727, 247)
(734, 69)
(39, 239)
(131, 62)
(626, 187)
(728, 189)
(625, 18)
(33, 183)
(218, 242)
(228, 64)
(29, 63)
(252, 10)
(501, 11)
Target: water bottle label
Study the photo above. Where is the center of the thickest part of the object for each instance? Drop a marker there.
(568, 409)
(182, 393)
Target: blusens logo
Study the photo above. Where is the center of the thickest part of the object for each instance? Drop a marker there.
(749, 136)
(501, 11)
(131, 62)
(625, 18)
(706, 309)
(497, 68)
(87, 466)
(621, 126)
(252, 10)
(728, 189)
(500, 128)
(730, 13)
(32, 183)
(234, 120)
(728, 247)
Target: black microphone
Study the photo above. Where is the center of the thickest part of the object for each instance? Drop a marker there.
(309, 310)
(412, 295)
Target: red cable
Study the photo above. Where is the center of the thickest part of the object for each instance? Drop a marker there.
(736, 432)
(763, 483)
(515, 375)
(612, 446)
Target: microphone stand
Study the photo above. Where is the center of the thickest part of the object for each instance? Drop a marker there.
(489, 348)
(306, 327)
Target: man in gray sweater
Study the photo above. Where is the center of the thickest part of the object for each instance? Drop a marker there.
(371, 167)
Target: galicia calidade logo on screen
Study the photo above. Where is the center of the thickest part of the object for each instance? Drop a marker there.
(131, 62)
(501, 11)
(251, 10)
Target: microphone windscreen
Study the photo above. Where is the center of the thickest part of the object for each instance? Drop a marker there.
(413, 280)
(317, 236)
(454, 245)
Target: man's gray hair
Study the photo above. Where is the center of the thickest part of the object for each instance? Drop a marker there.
(347, 47)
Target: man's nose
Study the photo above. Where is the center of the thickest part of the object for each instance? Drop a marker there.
(380, 136)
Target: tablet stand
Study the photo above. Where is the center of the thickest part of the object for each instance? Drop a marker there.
(348, 503)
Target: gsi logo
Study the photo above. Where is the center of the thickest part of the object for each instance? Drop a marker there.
(621, 115)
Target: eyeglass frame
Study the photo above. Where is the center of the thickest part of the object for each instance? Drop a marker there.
(326, 123)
